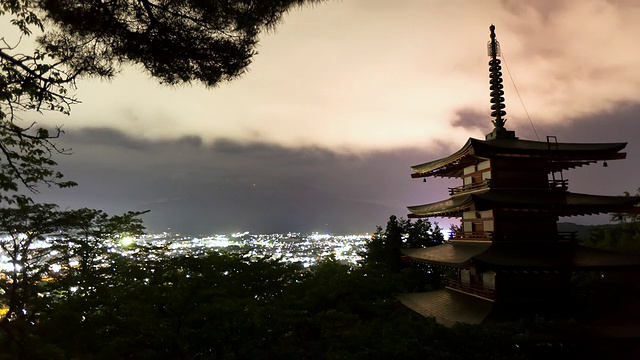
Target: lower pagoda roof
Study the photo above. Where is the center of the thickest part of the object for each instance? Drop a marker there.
(452, 207)
(447, 307)
(522, 256)
(551, 201)
(557, 256)
(450, 255)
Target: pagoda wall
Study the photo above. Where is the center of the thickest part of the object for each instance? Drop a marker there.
(521, 285)
(477, 221)
(512, 225)
(519, 172)
(476, 174)
(503, 224)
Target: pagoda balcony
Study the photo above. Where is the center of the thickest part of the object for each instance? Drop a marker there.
(559, 184)
(563, 236)
(469, 187)
(569, 236)
(472, 289)
(560, 236)
(471, 236)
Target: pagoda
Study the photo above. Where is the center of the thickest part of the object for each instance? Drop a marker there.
(508, 256)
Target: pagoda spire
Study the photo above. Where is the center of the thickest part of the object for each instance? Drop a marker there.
(497, 99)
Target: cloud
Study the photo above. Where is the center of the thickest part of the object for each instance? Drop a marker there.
(573, 59)
(470, 119)
(105, 136)
(358, 76)
(230, 186)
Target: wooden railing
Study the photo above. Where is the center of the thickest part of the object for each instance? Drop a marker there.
(559, 184)
(553, 184)
(570, 236)
(469, 187)
(471, 235)
(566, 236)
(474, 289)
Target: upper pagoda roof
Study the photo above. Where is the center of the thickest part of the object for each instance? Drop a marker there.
(560, 203)
(562, 155)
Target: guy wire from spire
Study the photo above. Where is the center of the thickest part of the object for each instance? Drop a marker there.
(518, 92)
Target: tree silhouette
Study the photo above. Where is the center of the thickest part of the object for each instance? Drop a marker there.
(176, 41)
(383, 250)
(39, 246)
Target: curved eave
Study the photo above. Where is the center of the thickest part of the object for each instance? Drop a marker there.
(555, 166)
(540, 149)
(452, 207)
(450, 166)
(565, 155)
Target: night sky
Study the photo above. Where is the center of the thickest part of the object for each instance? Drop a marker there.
(341, 100)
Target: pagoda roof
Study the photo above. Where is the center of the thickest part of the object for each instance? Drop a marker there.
(452, 255)
(547, 256)
(522, 256)
(450, 166)
(448, 307)
(552, 201)
(452, 207)
(562, 155)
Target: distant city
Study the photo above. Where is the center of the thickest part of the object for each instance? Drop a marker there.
(306, 249)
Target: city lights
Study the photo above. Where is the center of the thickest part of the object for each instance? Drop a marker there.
(306, 249)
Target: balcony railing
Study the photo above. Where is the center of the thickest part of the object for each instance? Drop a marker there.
(559, 184)
(474, 289)
(471, 236)
(570, 236)
(564, 236)
(469, 187)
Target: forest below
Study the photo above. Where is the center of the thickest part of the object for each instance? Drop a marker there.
(143, 304)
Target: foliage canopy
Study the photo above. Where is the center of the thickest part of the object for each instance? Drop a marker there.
(176, 41)
(384, 248)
